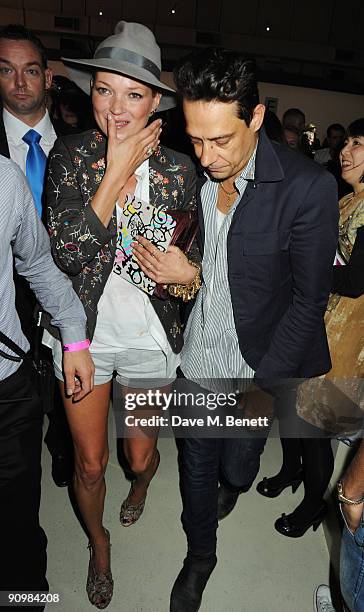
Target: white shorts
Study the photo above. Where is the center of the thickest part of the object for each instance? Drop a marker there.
(138, 368)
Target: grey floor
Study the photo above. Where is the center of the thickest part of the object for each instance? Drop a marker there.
(258, 570)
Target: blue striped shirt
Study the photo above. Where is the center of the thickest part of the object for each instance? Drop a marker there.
(24, 241)
(211, 350)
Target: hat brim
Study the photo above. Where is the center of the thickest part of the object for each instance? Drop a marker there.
(79, 71)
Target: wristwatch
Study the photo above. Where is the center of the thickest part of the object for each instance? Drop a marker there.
(345, 500)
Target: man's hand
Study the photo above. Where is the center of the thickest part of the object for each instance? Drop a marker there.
(257, 403)
(352, 515)
(79, 370)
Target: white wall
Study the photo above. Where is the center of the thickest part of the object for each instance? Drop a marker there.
(320, 107)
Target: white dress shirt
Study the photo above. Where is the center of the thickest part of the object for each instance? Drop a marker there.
(15, 130)
(322, 156)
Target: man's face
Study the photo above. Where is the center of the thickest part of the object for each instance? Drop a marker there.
(295, 121)
(23, 80)
(223, 143)
(292, 138)
(335, 138)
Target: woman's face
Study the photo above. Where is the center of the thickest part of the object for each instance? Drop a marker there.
(129, 102)
(352, 159)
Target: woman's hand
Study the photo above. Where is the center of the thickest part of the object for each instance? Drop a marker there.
(125, 156)
(166, 268)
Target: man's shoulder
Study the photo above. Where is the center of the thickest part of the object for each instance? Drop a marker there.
(9, 170)
(296, 164)
(13, 187)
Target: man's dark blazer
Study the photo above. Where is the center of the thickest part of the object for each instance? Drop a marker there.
(280, 248)
(4, 147)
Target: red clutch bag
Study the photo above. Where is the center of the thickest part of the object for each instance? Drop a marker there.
(183, 236)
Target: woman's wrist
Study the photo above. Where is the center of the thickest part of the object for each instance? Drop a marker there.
(191, 272)
(187, 291)
(115, 176)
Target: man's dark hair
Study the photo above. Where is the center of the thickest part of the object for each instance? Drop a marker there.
(293, 113)
(19, 32)
(221, 75)
(337, 127)
(356, 128)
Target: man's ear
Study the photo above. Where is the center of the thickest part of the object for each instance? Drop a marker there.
(48, 73)
(258, 117)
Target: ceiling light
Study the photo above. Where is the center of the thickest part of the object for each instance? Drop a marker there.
(100, 13)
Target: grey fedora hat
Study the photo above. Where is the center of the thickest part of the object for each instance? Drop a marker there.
(131, 51)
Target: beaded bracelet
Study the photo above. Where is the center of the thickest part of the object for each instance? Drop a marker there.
(187, 292)
(76, 346)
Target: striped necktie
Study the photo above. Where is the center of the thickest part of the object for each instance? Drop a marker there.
(35, 167)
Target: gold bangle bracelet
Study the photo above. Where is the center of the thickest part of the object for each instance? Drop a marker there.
(187, 292)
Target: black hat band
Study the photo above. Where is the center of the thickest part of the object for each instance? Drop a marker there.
(130, 57)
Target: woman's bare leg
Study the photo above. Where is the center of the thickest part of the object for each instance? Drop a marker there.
(88, 425)
(140, 447)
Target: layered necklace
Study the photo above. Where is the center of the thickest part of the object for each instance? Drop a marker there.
(229, 195)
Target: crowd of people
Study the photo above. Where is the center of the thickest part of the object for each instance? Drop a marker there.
(273, 285)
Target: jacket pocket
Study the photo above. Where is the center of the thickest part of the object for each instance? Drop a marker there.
(265, 243)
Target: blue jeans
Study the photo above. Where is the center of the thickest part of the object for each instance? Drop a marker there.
(203, 462)
(352, 567)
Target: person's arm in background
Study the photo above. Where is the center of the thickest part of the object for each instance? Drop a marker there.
(349, 280)
(53, 289)
(353, 488)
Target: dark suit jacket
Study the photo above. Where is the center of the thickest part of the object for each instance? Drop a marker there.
(82, 246)
(281, 247)
(4, 147)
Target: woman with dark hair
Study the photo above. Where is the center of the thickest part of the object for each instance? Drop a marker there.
(91, 177)
(333, 402)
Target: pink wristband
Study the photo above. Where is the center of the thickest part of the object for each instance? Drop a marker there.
(76, 346)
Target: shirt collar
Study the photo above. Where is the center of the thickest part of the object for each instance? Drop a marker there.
(142, 170)
(15, 128)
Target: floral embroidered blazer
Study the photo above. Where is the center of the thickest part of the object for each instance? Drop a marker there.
(82, 246)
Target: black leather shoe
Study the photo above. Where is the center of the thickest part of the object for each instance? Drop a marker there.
(226, 501)
(190, 583)
(288, 527)
(272, 487)
(62, 470)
